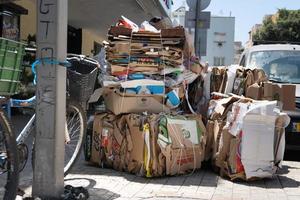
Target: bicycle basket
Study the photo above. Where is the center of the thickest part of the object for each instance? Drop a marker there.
(11, 57)
(81, 78)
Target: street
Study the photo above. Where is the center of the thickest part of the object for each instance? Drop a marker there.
(105, 184)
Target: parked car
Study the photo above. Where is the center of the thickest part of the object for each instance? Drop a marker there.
(281, 62)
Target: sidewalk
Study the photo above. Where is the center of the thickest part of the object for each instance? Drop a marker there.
(109, 184)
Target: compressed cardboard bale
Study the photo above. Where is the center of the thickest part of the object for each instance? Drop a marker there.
(182, 142)
(102, 139)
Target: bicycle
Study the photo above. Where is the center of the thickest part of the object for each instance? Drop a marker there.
(16, 154)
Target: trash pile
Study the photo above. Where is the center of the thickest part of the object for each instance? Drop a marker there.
(148, 145)
(246, 137)
(146, 68)
(165, 113)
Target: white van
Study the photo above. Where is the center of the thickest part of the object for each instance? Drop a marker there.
(281, 62)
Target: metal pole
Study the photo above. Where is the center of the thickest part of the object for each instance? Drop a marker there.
(48, 175)
(197, 50)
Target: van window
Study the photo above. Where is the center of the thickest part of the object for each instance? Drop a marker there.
(242, 63)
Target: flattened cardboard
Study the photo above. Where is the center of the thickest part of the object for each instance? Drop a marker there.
(98, 128)
(224, 147)
(137, 138)
(286, 93)
(254, 91)
(233, 155)
(210, 137)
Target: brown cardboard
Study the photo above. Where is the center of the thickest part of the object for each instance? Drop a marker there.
(101, 124)
(196, 68)
(281, 92)
(176, 132)
(224, 148)
(129, 103)
(254, 91)
(122, 48)
(157, 158)
(137, 137)
(181, 161)
(210, 137)
(232, 154)
(218, 127)
(288, 97)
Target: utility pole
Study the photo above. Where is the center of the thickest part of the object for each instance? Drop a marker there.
(197, 27)
(48, 174)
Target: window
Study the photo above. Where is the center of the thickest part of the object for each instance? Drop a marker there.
(242, 63)
(219, 61)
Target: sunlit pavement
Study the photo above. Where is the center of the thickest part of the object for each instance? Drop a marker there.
(104, 184)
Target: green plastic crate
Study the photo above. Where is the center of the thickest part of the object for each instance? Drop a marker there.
(11, 57)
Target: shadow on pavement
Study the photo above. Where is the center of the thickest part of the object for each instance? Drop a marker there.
(90, 185)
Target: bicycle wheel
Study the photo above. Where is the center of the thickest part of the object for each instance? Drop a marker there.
(75, 134)
(8, 160)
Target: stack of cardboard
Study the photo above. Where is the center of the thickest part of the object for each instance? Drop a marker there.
(246, 137)
(148, 145)
(249, 83)
(151, 77)
(144, 51)
(146, 70)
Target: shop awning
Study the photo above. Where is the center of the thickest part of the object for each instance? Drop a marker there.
(99, 15)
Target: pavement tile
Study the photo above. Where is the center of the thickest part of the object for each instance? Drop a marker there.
(107, 184)
(293, 197)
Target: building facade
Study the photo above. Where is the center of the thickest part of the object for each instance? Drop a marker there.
(178, 16)
(220, 41)
(88, 21)
(220, 49)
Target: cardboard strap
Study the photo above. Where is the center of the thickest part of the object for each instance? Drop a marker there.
(127, 69)
(163, 60)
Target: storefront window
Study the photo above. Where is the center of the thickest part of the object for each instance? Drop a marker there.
(10, 27)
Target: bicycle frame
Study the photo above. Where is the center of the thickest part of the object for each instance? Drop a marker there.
(27, 103)
(27, 130)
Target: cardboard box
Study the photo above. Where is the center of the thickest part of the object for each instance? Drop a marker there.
(130, 103)
(286, 93)
(254, 91)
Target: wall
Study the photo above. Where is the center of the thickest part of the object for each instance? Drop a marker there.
(220, 25)
(28, 22)
(88, 38)
(28, 26)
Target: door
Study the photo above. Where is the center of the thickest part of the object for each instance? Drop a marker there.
(74, 40)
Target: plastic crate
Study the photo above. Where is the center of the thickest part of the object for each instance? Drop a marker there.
(11, 57)
(82, 77)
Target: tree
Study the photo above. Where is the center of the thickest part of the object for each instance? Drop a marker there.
(283, 26)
